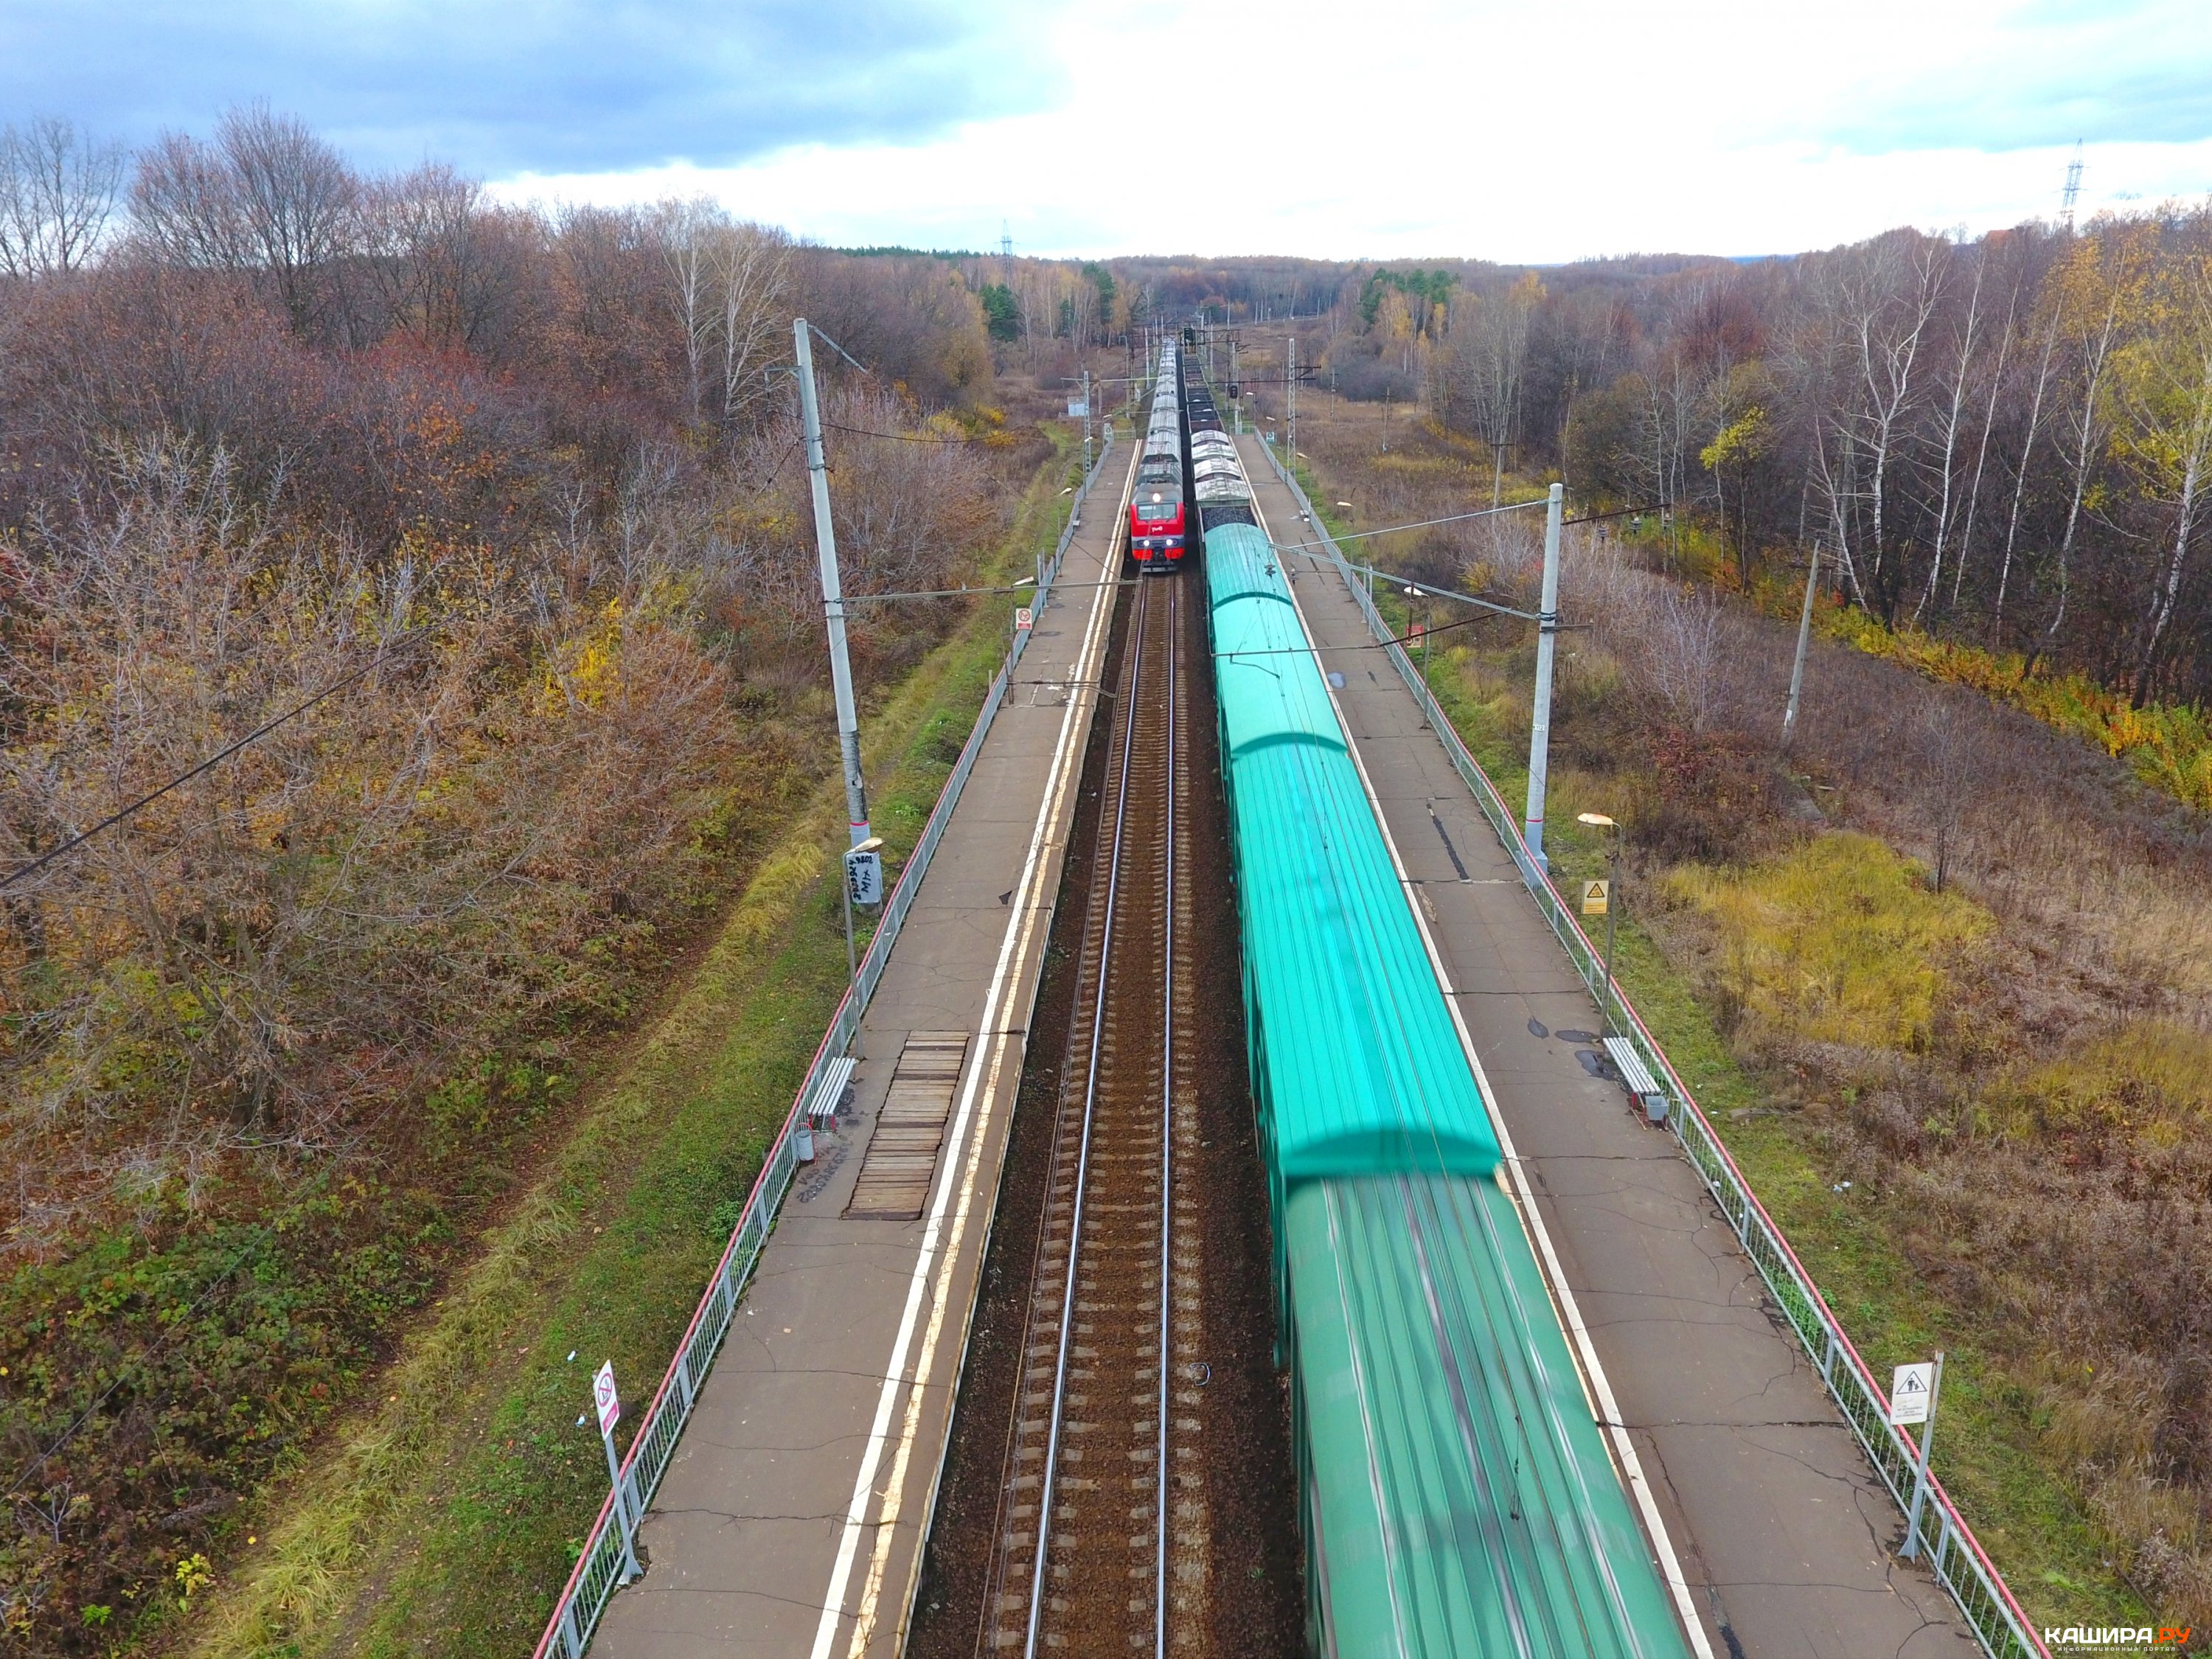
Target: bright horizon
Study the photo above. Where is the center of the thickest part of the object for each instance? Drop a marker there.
(1485, 130)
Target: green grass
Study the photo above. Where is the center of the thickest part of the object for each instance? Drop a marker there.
(446, 1518)
(1988, 1454)
(2033, 1526)
(2029, 1521)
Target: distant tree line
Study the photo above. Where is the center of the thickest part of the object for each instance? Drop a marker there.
(2008, 438)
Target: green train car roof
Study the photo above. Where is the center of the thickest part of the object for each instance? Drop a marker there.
(1359, 1069)
(1460, 1499)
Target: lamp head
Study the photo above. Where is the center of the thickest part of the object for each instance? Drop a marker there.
(1596, 820)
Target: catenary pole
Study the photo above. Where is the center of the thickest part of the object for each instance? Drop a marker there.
(833, 594)
(1548, 634)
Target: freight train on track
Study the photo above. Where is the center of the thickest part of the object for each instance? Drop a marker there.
(1456, 1493)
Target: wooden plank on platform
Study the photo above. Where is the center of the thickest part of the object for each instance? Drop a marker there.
(894, 1179)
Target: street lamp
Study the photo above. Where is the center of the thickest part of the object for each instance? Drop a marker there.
(1412, 593)
(1598, 821)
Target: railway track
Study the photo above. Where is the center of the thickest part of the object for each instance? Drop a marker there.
(1102, 1539)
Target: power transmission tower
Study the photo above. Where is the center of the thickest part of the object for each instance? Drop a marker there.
(1006, 257)
(2073, 187)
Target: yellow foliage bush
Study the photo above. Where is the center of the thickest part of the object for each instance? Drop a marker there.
(2168, 746)
(2152, 1077)
(1839, 940)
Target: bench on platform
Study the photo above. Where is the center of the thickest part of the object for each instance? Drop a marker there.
(1636, 1077)
(829, 1093)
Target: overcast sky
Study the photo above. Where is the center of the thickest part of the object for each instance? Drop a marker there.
(1475, 128)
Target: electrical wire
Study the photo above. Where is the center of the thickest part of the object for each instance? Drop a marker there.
(1461, 518)
(1392, 530)
(23, 872)
(1379, 645)
(901, 437)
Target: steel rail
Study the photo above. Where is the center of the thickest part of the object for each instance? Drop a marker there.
(1167, 1138)
(1040, 1556)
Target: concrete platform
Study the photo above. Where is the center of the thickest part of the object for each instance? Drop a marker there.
(790, 1520)
(1783, 1530)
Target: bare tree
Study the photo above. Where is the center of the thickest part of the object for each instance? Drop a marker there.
(57, 192)
(266, 195)
(1891, 294)
(684, 230)
(725, 284)
(1489, 338)
(2027, 457)
(752, 269)
(1981, 448)
(2167, 393)
(1682, 658)
(298, 198)
(1952, 419)
(2099, 285)
(422, 235)
(184, 208)
(1949, 767)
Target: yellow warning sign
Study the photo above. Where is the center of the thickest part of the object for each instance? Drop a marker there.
(1594, 897)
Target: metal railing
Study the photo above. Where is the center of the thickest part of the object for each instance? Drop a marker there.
(1957, 1559)
(599, 1569)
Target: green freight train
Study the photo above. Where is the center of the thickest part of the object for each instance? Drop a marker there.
(1458, 1496)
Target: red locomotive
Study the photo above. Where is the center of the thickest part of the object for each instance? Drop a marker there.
(1158, 532)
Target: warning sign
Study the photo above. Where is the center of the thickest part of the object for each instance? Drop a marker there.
(1908, 1390)
(1595, 896)
(603, 1397)
(1024, 617)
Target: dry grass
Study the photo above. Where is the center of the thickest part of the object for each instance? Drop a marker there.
(1837, 941)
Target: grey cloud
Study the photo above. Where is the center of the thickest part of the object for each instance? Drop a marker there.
(2043, 74)
(564, 86)
(2166, 105)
